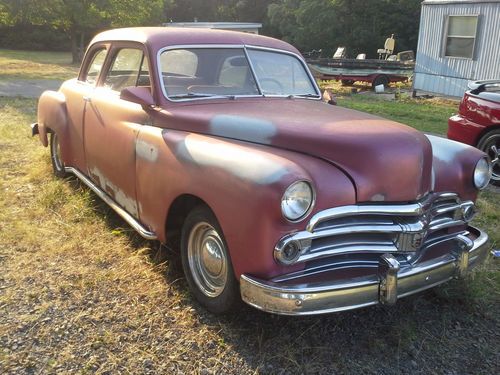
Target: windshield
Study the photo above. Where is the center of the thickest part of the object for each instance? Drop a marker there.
(214, 72)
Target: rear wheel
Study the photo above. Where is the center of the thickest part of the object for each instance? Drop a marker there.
(206, 262)
(347, 82)
(490, 144)
(56, 156)
(380, 80)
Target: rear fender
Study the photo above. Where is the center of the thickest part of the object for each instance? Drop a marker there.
(52, 115)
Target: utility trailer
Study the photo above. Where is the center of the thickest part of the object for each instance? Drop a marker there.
(387, 68)
(374, 71)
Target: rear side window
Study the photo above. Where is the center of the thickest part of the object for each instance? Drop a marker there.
(95, 66)
(129, 68)
(179, 62)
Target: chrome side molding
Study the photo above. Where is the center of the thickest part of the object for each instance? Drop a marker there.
(132, 221)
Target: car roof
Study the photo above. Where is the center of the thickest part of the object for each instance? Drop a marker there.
(159, 37)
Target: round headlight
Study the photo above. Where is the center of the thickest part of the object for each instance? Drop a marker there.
(297, 200)
(482, 174)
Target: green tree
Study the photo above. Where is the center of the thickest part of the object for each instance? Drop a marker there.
(360, 25)
(78, 18)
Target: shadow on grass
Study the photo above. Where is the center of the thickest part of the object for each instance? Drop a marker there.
(444, 330)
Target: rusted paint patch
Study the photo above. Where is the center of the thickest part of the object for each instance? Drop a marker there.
(146, 151)
(128, 203)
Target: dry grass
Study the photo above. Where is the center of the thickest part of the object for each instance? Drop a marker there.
(36, 65)
(81, 293)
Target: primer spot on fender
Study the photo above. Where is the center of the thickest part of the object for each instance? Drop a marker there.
(235, 160)
(378, 198)
(243, 128)
(146, 151)
(129, 204)
(444, 149)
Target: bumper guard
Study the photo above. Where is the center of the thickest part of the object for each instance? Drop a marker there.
(390, 283)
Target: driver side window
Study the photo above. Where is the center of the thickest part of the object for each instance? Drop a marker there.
(129, 68)
(95, 67)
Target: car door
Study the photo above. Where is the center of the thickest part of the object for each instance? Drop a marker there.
(75, 92)
(112, 125)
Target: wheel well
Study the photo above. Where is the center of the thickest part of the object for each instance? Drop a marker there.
(177, 213)
(485, 131)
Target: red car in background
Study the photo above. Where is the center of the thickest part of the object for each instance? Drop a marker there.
(478, 122)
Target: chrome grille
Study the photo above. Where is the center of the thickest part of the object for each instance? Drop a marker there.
(378, 228)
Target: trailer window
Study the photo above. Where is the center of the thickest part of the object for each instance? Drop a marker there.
(461, 36)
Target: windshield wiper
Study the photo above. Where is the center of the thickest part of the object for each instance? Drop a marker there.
(192, 95)
(291, 96)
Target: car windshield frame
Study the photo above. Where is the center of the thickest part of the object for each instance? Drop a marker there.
(245, 48)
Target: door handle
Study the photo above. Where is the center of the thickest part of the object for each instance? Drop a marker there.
(87, 99)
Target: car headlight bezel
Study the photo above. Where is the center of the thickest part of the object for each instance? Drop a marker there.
(297, 200)
(482, 174)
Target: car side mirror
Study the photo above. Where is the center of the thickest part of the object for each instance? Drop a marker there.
(139, 95)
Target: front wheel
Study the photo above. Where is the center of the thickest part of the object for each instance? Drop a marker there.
(490, 144)
(206, 262)
(56, 156)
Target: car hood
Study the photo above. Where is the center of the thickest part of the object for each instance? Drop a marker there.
(386, 161)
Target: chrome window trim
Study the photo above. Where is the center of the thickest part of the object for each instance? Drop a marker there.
(234, 46)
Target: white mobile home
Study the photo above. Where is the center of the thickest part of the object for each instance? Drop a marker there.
(459, 41)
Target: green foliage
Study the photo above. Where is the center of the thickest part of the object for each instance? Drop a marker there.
(79, 18)
(33, 38)
(220, 11)
(360, 25)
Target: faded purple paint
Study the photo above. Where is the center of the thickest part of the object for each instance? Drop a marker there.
(239, 156)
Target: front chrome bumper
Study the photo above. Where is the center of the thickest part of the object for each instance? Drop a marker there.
(390, 282)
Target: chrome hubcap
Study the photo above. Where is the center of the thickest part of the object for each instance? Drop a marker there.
(492, 148)
(207, 259)
(57, 155)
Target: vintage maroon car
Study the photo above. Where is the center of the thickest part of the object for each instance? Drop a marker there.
(219, 142)
(478, 122)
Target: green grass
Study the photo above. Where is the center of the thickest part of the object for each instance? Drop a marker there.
(81, 293)
(425, 115)
(36, 65)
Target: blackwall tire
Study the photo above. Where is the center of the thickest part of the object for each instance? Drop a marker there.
(56, 156)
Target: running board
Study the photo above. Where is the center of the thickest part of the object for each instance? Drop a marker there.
(118, 209)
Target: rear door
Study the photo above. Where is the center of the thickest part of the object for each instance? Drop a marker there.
(76, 93)
(112, 125)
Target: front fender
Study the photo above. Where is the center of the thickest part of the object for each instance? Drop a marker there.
(52, 114)
(453, 166)
(241, 182)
